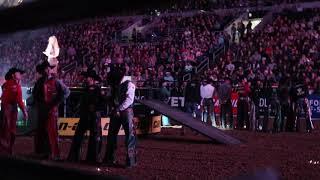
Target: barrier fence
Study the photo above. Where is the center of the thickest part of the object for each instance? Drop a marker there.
(70, 109)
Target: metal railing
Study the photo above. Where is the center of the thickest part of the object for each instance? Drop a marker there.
(205, 63)
(186, 77)
(69, 67)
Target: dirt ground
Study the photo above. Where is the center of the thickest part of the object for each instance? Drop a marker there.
(170, 155)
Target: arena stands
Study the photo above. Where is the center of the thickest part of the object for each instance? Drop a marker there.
(95, 46)
(181, 43)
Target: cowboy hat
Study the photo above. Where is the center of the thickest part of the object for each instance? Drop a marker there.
(11, 72)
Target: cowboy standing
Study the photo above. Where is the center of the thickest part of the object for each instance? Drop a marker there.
(48, 93)
(124, 91)
(10, 99)
(90, 119)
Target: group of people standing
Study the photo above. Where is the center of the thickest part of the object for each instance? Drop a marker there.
(285, 102)
(49, 92)
(121, 101)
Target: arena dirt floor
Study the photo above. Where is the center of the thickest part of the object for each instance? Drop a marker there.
(170, 155)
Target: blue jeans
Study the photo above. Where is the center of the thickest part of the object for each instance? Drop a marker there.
(302, 110)
(208, 111)
(126, 120)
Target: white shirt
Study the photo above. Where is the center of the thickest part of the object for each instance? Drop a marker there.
(130, 95)
(206, 91)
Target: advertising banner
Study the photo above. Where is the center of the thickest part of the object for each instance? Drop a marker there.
(67, 126)
(234, 102)
(314, 101)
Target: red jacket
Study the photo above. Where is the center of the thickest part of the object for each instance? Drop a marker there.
(12, 94)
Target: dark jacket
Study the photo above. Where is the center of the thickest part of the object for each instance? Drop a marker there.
(192, 92)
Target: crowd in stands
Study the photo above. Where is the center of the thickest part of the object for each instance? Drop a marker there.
(77, 41)
(91, 45)
(288, 47)
(183, 5)
(285, 47)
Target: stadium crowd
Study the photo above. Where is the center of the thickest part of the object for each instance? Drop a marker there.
(95, 47)
(267, 69)
(182, 5)
(282, 52)
(288, 46)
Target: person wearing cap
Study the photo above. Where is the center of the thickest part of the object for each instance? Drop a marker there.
(48, 93)
(90, 119)
(11, 98)
(207, 92)
(123, 91)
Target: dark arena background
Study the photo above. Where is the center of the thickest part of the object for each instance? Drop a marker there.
(170, 48)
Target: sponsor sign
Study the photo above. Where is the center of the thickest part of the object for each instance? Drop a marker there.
(68, 126)
(234, 102)
(176, 101)
(314, 101)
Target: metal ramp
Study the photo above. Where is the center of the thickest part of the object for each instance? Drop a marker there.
(187, 120)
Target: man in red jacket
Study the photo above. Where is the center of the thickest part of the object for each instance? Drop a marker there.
(10, 99)
(48, 93)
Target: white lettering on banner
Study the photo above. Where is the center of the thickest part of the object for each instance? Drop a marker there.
(174, 102)
(314, 105)
(182, 101)
(216, 102)
(177, 101)
(139, 97)
(263, 102)
(234, 103)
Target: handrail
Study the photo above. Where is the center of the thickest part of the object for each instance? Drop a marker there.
(69, 67)
(202, 65)
(104, 46)
(186, 77)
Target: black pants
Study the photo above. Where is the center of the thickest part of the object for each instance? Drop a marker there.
(284, 114)
(226, 111)
(291, 118)
(126, 120)
(91, 122)
(243, 116)
(275, 111)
